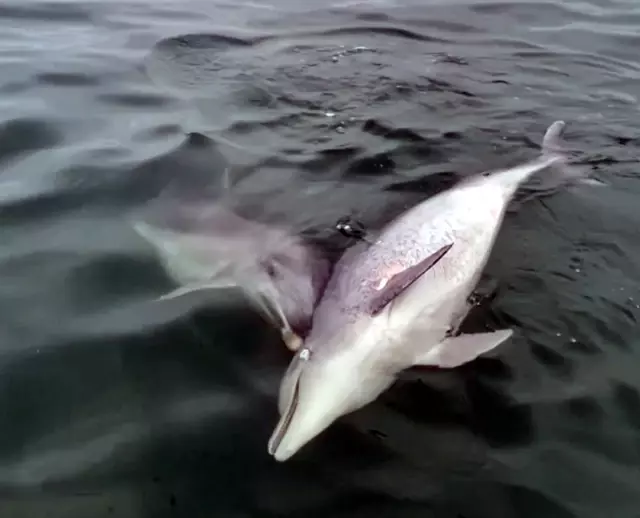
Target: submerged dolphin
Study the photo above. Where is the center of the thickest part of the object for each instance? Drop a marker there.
(398, 302)
(280, 274)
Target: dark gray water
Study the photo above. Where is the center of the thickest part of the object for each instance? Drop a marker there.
(113, 406)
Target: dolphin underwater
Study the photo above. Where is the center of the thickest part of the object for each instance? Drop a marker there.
(398, 302)
(279, 274)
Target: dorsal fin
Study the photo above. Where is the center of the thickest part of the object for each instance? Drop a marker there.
(402, 280)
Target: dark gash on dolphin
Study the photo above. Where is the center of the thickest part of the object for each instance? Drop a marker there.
(397, 301)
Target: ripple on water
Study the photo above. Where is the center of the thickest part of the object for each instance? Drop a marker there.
(42, 12)
(20, 137)
(306, 88)
(67, 79)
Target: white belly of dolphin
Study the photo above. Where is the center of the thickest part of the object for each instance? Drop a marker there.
(389, 306)
(470, 219)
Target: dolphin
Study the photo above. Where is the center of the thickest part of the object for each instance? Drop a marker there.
(280, 274)
(398, 301)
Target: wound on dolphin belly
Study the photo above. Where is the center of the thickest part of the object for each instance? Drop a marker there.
(389, 274)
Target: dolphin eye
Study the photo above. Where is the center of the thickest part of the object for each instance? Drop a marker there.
(269, 268)
(279, 264)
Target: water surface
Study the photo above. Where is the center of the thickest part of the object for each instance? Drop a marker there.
(111, 405)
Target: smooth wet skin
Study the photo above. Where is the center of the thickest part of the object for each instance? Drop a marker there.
(391, 305)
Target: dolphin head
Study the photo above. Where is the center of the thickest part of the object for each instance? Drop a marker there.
(321, 385)
(291, 276)
(354, 350)
(310, 400)
(204, 246)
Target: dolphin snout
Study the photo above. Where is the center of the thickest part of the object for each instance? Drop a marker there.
(282, 453)
(307, 415)
(298, 433)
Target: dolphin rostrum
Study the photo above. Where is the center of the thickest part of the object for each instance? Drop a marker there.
(398, 302)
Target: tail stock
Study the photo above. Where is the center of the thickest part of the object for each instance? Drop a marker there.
(553, 155)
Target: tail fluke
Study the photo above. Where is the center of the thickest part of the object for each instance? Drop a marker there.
(553, 156)
(569, 173)
(551, 140)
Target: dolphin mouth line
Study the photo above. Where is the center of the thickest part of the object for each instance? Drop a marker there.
(285, 421)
